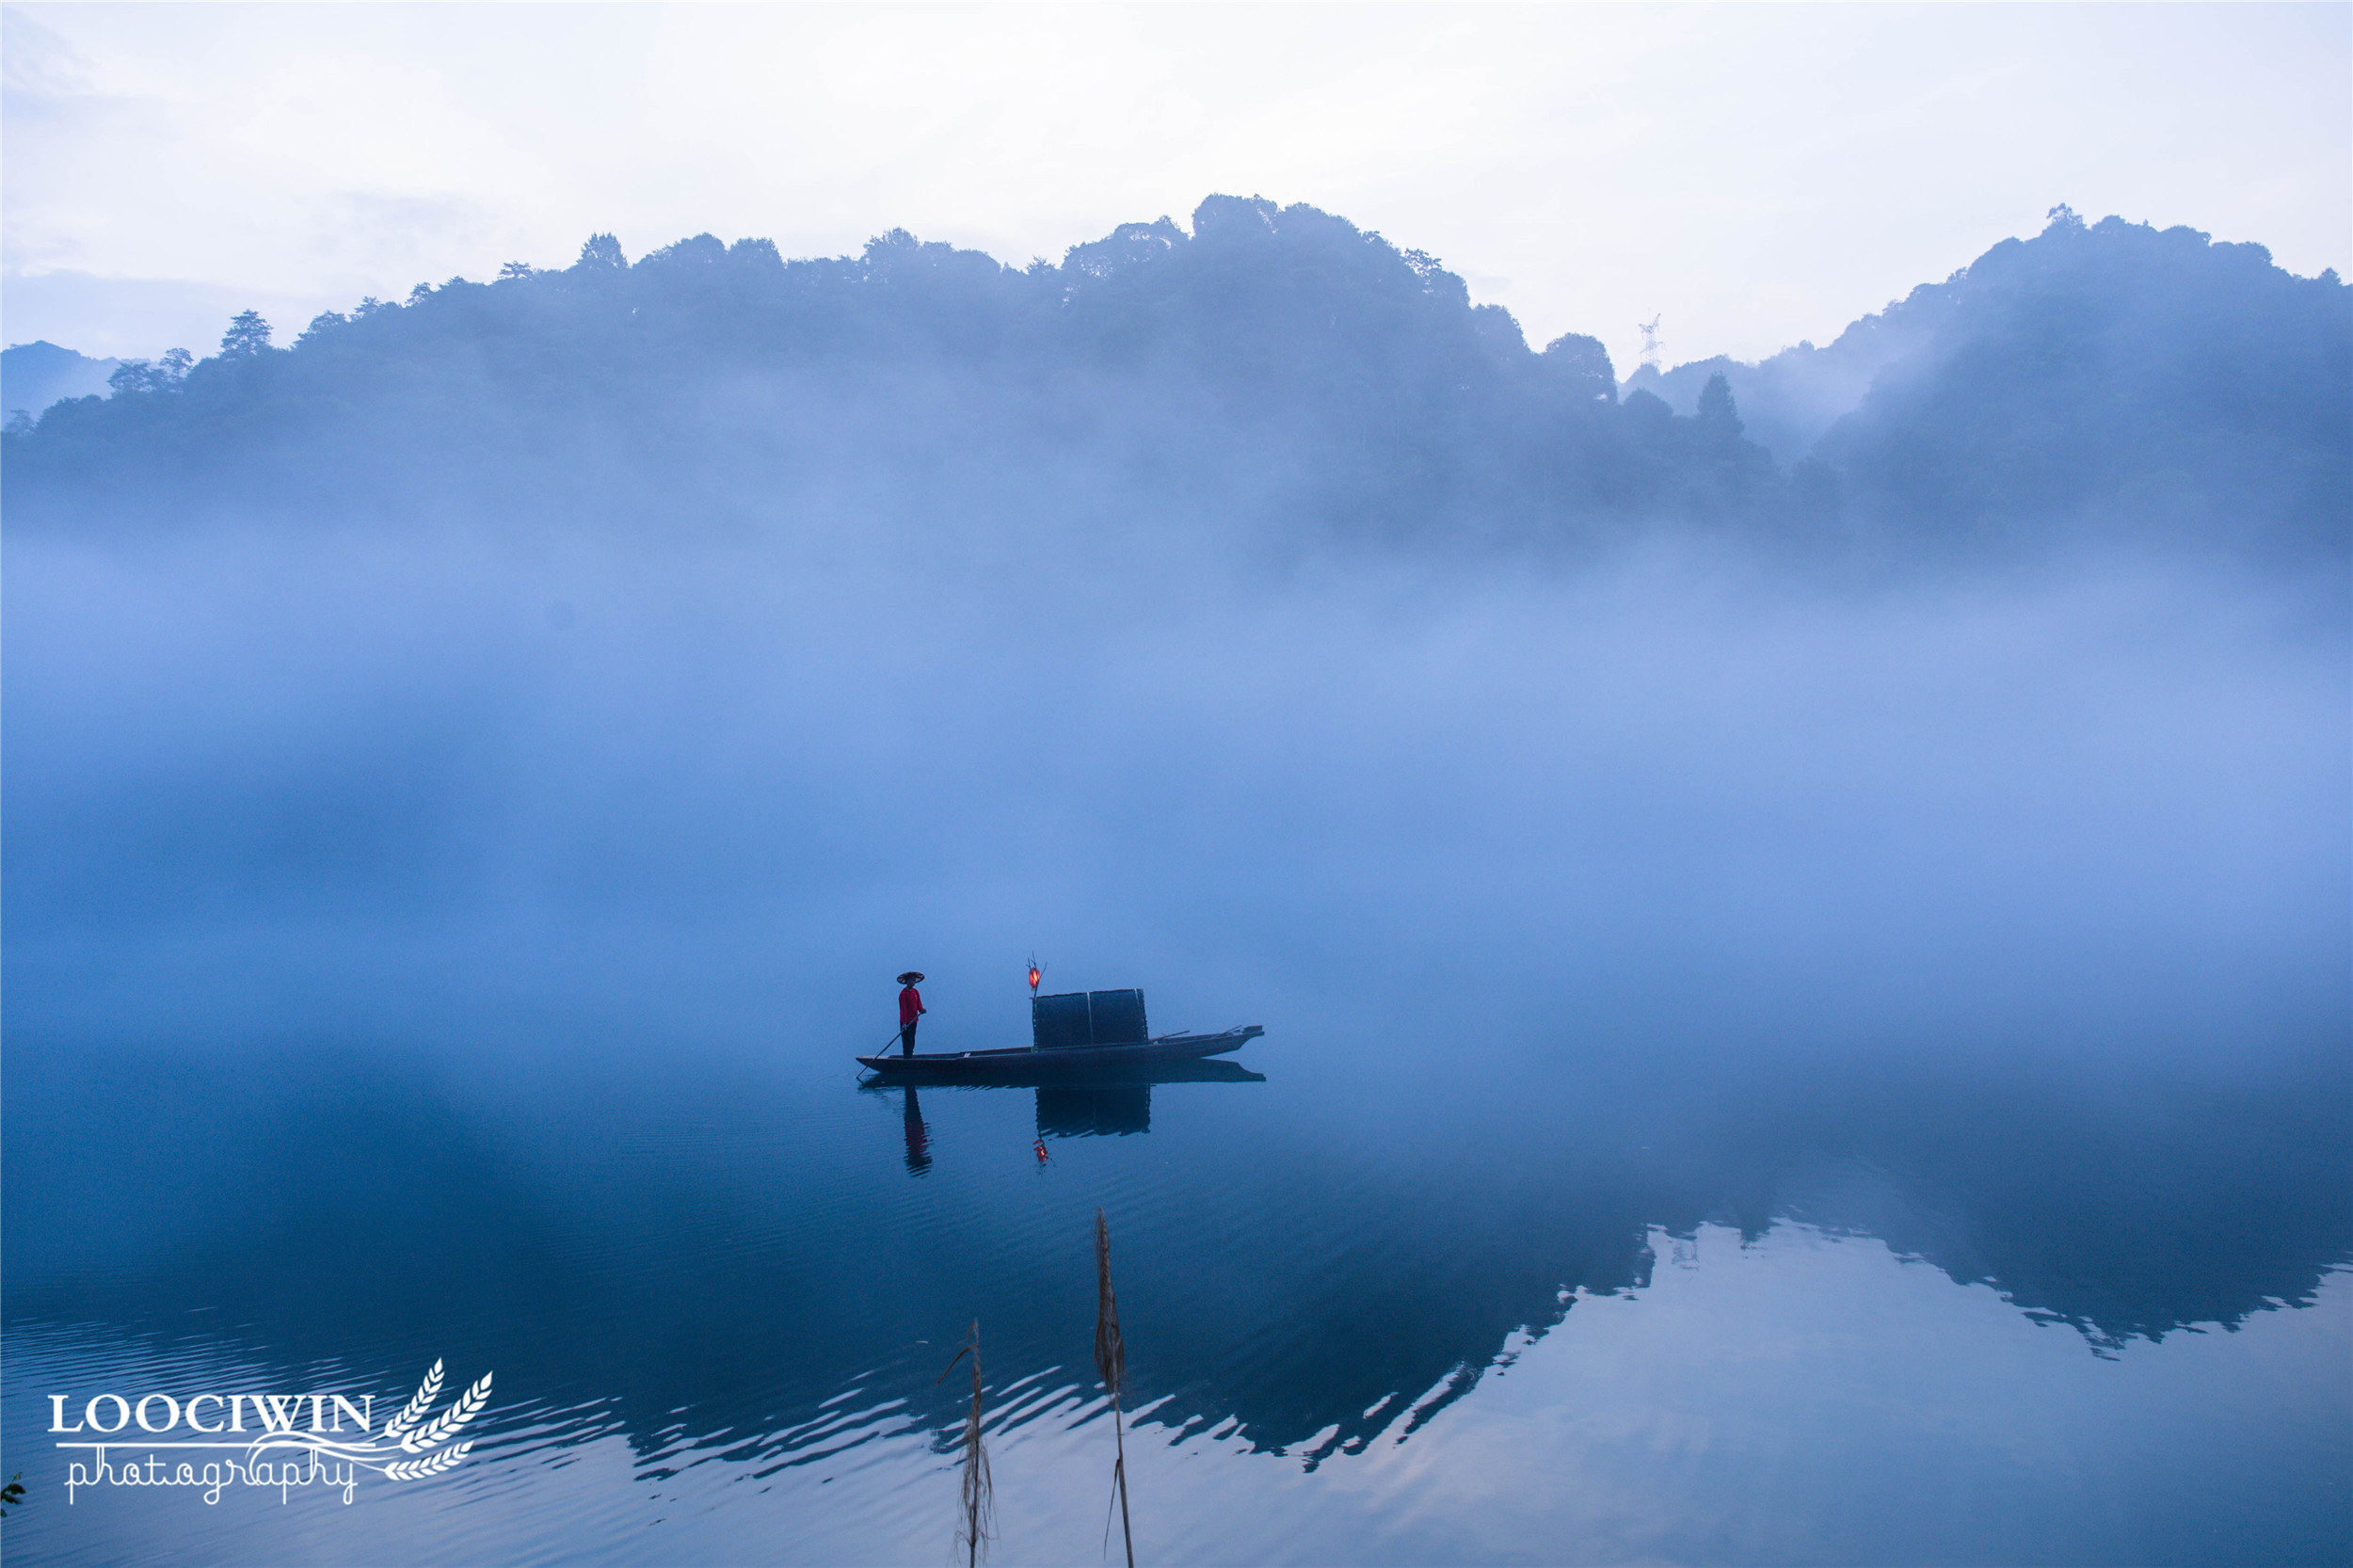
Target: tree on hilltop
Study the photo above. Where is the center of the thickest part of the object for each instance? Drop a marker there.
(247, 336)
(1719, 416)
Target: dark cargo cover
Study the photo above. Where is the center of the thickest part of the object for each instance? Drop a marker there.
(1078, 1018)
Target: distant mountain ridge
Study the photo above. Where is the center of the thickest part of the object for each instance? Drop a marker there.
(2151, 377)
(1790, 399)
(1274, 369)
(2150, 381)
(35, 374)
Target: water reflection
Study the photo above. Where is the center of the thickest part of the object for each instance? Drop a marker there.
(1295, 1274)
(1093, 1110)
(918, 1137)
(1103, 1104)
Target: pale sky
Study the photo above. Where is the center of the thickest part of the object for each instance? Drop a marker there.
(1755, 174)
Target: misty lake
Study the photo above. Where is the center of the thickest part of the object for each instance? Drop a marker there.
(1775, 1051)
(1386, 1298)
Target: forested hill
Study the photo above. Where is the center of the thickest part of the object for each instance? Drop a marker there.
(2151, 378)
(1270, 369)
(35, 374)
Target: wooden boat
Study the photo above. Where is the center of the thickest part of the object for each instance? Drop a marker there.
(1028, 1063)
(1205, 1071)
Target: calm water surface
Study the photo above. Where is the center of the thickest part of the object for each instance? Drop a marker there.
(1766, 1309)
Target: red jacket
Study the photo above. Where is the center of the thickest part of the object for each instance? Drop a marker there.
(910, 1004)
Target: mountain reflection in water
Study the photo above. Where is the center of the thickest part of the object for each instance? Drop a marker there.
(1299, 1272)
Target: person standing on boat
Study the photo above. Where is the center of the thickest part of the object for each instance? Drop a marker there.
(910, 1008)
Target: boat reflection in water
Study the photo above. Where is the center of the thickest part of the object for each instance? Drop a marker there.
(1093, 1112)
(1118, 1106)
(1094, 1105)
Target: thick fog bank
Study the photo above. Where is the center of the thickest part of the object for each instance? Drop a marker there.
(1242, 612)
(559, 791)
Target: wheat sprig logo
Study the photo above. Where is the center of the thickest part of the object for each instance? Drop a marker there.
(409, 1469)
(469, 1405)
(414, 1410)
(404, 1451)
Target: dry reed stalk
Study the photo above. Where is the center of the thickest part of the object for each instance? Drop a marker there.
(980, 1495)
(1111, 1360)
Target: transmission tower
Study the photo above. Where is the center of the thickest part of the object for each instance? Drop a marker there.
(1651, 345)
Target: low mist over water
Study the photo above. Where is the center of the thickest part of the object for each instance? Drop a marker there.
(707, 780)
(1880, 911)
